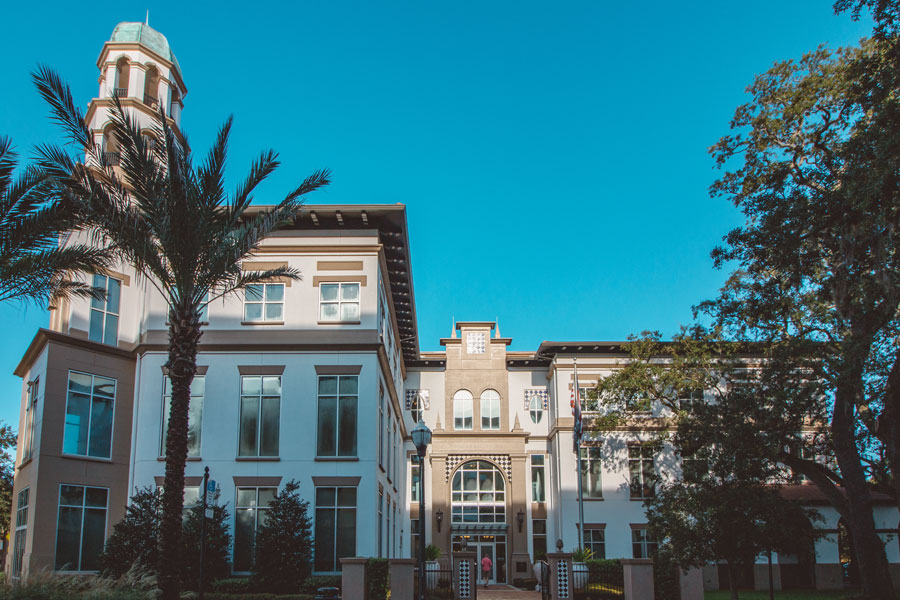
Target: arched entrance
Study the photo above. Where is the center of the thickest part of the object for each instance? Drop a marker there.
(478, 496)
(798, 568)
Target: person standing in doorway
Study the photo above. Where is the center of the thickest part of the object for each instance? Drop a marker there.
(486, 569)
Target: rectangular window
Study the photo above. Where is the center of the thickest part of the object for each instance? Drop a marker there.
(339, 302)
(195, 414)
(264, 302)
(380, 431)
(81, 528)
(595, 540)
(490, 410)
(539, 538)
(395, 458)
(31, 400)
(640, 468)
(90, 403)
(538, 493)
(591, 482)
(690, 399)
(390, 445)
(338, 396)
(414, 539)
(104, 326)
(589, 400)
(335, 527)
(260, 415)
(380, 520)
(250, 510)
(21, 530)
(642, 545)
(415, 475)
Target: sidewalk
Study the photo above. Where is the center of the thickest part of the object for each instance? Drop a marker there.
(505, 592)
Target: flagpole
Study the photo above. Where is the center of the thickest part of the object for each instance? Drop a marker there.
(577, 441)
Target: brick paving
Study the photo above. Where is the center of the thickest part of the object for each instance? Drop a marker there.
(505, 592)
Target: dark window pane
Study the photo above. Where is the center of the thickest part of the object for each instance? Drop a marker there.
(96, 328)
(346, 534)
(346, 496)
(270, 426)
(68, 538)
(347, 434)
(93, 537)
(249, 417)
(101, 427)
(112, 295)
(327, 425)
(75, 438)
(95, 497)
(325, 496)
(111, 333)
(324, 544)
(243, 539)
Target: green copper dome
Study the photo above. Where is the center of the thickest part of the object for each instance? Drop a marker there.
(147, 36)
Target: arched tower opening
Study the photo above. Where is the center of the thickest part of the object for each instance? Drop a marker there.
(123, 74)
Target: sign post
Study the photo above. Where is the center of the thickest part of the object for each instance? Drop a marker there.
(208, 486)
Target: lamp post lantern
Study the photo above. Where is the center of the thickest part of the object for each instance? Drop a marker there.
(421, 437)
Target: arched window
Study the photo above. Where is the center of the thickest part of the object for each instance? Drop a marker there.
(490, 409)
(415, 408)
(462, 410)
(478, 494)
(110, 154)
(536, 408)
(151, 87)
(123, 69)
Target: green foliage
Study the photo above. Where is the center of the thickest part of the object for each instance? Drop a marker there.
(48, 585)
(432, 552)
(605, 570)
(379, 578)
(316, 581)
(525, 583)
(666, 583)
(7, 475)
(284, 543)
(232, 585)
(218, 542)
(260, 596)
(582, 554)
(134, 541)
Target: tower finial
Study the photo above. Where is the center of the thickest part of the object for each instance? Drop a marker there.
(497, 328)
(452, 328)
(147, 20)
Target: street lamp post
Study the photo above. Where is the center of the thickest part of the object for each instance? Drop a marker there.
(421, 437)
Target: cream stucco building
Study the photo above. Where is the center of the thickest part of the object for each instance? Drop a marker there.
(321, 380)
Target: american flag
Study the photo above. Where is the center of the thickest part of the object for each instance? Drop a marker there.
(576, 410)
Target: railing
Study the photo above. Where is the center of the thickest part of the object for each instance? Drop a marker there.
(151, 101)
(111, 159)
(599, 580)
(120, 92)
(438, 583)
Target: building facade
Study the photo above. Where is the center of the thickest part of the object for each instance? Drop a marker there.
(320, 381)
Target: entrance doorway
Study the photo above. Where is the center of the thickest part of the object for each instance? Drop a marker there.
(492, 546)
(488, 550)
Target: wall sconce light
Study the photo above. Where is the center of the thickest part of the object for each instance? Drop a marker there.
(520, 519)
(439, 516)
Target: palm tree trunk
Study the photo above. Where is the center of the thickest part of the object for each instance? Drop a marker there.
(184, 337)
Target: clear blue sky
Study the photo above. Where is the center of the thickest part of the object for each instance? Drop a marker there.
(552, 156)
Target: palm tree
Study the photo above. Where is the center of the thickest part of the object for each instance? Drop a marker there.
(33, 264)
(177, 226)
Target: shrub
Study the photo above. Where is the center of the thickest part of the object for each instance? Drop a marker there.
(432, 552)
(605, 571)
(48, 585)
(379, 578)
(284, 544)
(665, 575)
(232, 585)
(218, 541)
(582, 554)
(263, 596)
(133, 542)
(316, 581)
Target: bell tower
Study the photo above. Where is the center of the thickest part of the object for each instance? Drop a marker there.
(137, 66)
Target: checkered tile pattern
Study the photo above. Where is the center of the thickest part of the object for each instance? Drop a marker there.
(475, 342)
(421, 395)
(465, 579)
(501, 460)
(562, 578)
(543, 394)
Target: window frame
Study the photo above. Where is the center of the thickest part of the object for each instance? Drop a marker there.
(591, 456)
(641, 459)
(112, 419)
(165, 424)
(340, 302)
(259, 420)
(536, 414)
(264, 302)
(640, 538)
(105, 310)
(20, 532)
(31, 402)
(490, 398)
(83, 508)
(259, 510)
(542, 469)
(335, 507)
(415, 478)
(338, 396)
(591, 532)
(471, 410)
